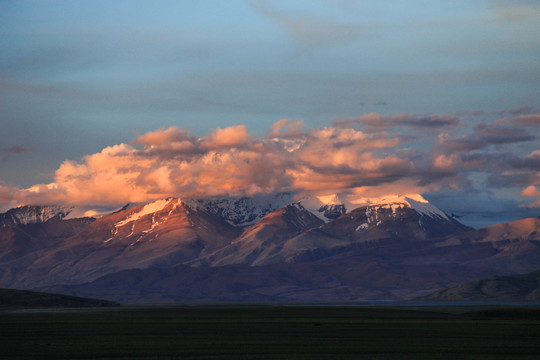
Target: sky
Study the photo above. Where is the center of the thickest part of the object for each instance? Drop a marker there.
(108, 102)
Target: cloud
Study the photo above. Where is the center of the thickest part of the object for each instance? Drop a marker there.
(339, 158)
(161, 136)
(286, 128)
(7, 152)
(524, 110)
(483, 136)
(7, 196)
(308, 32)
(376, 122)
(228, 161)
(531, 191)
(529, 119)
(230, 137)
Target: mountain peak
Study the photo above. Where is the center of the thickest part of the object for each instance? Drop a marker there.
(240, 211)
(413, 201)
(326, 208)
(30, 214)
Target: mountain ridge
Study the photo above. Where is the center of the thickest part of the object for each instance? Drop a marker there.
(411, 247)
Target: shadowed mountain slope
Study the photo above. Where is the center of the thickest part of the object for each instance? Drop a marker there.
(524, 287)
(24, 299)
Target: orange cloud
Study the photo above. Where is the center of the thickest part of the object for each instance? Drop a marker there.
(161, 136)
(530, 191)
(230, 137)
(231, 161)
(286, 128)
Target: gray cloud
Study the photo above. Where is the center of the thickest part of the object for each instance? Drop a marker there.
(483, 136)
(375, 122)
(7, 152)
(523, 110)
(529, 119)
(308, 32)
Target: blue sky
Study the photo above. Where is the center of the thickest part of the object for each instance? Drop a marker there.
(78, 76)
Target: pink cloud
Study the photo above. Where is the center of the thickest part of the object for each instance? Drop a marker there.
(530, 119)
(230, 137)
(232, 161)
(161, 136)
(286, 128)
(530, 191)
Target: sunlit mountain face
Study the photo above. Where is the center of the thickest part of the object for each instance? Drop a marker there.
(272, 247)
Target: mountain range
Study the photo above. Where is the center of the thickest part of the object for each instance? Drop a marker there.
(265, 248)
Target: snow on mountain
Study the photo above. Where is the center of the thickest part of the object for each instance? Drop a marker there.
(258, 244)
(326, 208)
(147, 209)
(330, 207)
(139, 220)
(30, 214)
(240, 211)
(413, 201)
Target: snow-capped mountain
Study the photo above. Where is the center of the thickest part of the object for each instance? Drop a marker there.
(261, 241)
(325, 209)
(30, 214)
(239, 211)
(158, 234)
(391, 209)
(279, 238)
(367, 245)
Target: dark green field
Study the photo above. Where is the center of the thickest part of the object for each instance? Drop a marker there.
(273, 332)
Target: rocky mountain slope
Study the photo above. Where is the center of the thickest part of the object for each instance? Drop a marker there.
(259, 248)
(31, 214)
(294, 233)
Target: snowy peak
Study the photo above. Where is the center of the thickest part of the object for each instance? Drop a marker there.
(413, 201)
(330, 207)
(31, 214)
(142, 221)
(426, 209)
(239, 211)
(147, 209)
(326, 208)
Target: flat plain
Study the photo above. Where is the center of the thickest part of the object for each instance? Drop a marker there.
(274, 332)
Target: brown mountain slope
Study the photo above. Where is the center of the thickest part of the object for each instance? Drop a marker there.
(162, 233)
(274, 239)
(257, 244)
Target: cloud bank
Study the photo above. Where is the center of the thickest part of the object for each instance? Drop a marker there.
(370, 155)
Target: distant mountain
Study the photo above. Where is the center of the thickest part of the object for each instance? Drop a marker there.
(512, 247)
(239, 211)
(268, 247)
(159, 234)
(525, 287)
(328, 281)
(24, 299)
(30, 214)
(265, 239)
(294, 233)
(22, 245)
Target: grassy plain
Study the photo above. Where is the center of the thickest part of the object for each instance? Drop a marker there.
(273, 332)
